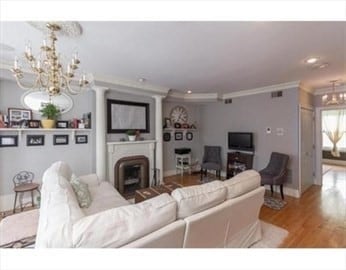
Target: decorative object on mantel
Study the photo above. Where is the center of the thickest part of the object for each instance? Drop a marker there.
(17, 116)
(334, 98)
(34, 123)
(179, 114)
(50, 76)
(2, 121)
(131, 134)
(51, 112)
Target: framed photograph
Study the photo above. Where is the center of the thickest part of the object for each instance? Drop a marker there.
(62, 124)
(126, 115)
(185, 125)
(60, 139)
(17, 116)
(189, 136)
(34, 140)
(178, 136)
(166, 136)
(168, 123)
(8, 140)
(34, 123)
(81, 139)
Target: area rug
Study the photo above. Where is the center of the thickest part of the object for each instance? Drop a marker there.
(274, 203)
(272, 236)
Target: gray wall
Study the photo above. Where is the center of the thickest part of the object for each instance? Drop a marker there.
(254, 114)
(194, 111)
(37, 159)
(110, 94)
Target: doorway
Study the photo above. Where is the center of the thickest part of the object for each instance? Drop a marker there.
(326, 161)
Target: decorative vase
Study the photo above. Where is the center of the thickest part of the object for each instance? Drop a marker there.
(48, 123)
(132, 138)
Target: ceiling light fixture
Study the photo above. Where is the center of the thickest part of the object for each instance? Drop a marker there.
(312, 60)
(189, 91)
(50, 75)
(334, 98)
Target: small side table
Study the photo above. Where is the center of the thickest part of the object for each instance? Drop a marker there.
(183, 162)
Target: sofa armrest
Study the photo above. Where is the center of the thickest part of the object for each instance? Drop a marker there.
(90, 179)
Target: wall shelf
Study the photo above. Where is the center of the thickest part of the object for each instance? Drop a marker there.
(20, 131)
(179, 129)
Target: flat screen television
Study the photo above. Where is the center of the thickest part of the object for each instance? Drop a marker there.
(240, 141)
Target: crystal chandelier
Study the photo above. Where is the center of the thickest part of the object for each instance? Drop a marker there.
(334, 98)
(48, 70)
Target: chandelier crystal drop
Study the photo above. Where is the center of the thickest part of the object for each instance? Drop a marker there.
(50, 76)
(334, 98)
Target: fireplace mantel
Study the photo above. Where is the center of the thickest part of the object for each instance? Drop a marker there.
(118, 150)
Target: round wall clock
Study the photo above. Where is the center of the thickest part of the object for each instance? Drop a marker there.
(179, 114)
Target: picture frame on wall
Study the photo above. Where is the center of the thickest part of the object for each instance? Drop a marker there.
(178, 136)
(17, 116)
(167, 123)
(166, 136)
(189, 136)
(126, 115)
(60, 139)
(35, 140)
(80, 139)
(8, 140)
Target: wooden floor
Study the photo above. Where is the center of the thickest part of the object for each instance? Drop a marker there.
(316, 220)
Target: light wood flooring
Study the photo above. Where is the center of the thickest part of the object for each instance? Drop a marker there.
(316, 220)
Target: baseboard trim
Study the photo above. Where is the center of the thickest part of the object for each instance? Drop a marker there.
(334, 162)
(287, 191)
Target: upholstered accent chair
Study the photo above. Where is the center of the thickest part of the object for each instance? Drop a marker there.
(276, 171)
(211, 161)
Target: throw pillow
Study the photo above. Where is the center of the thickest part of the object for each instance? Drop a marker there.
(82, 192)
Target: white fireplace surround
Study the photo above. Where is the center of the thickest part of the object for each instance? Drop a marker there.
(118, 150)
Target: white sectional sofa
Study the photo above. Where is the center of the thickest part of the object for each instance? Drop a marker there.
(215, 214)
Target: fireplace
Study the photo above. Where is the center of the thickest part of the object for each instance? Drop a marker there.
(131, 173)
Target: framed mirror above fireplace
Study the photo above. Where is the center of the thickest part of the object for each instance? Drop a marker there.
(126, 115)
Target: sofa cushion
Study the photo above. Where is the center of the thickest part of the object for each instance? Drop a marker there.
(242, 183)
(119, 226)
(194, 199)
(59, 210)
(90, 179)
(81, 191)
(104, 197)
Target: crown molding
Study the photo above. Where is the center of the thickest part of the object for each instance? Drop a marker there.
(306, 88)
(203, 97)
(261, 90)
(327, 90)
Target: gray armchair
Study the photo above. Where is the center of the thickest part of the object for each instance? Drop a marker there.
(275, 172)
(211, 160)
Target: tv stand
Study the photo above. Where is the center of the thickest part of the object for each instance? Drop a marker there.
(238, 162)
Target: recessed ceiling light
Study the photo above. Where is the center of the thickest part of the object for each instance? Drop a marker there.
(324, 65)
(311, 60)
(141, 79)
(189, 91)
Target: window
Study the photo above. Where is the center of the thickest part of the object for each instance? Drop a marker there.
(331, 119)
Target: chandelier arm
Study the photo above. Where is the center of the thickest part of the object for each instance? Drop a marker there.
(69, 88)
(25, 87)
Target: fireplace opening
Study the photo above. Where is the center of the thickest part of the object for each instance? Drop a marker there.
(131, 173)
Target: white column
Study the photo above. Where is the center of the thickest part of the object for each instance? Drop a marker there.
(100, 127)
(158, 136)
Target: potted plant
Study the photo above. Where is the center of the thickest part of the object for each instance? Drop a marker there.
(131, 134)
(51, 112)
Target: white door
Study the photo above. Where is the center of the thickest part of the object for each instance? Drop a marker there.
(306, 149)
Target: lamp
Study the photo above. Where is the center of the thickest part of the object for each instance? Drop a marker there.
(48, 70)
(334, 98)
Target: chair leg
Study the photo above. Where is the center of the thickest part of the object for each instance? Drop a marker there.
(282, 191)
(15, 202)
(272, 189)
(201, 174)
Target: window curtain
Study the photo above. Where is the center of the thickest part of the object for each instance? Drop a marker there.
(334, 127)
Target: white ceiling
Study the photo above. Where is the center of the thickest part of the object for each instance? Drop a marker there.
(205, 57)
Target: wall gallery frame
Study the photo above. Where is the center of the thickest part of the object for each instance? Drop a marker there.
(125, 115)
(189, 136)
(8, 140)
(17, 116)
(166, 136)
(34, 140)
(79, 139)
(178, 136)
(60, 139)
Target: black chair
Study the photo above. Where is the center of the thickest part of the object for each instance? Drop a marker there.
(211, 160)
(275, 172)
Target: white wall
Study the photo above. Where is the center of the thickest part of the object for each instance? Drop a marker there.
(254, 114)
(37, 159)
